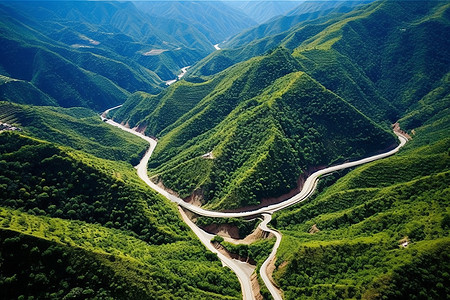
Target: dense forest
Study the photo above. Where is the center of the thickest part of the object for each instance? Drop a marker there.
(264, 129)
(371, 234)
(59, 204)
(280, 97)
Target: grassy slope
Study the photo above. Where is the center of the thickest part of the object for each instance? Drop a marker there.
(402, 61)
(78, 128)
(364, 218)
(155, 113)
(76, 204)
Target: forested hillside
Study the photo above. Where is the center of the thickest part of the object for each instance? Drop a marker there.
(210, 112)
(59, 205)
(94, 54)
(382, 231)
(316, 87)
(378, 75)
(78, 128)
(265, 125)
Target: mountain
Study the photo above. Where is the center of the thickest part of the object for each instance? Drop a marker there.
(65, 74)
(262, 11)
(258, 119)
(214, 19)
(93, 54)
(335, 50)
(308, 19)
(78, 128)
(192, 119)
(405, 47)
(379, 232)
(73, 224)
(247, 124)
(303, 11)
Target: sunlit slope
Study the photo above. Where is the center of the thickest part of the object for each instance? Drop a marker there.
(309, 19)
(379, 232)
(382, 57)
(78, 128)
(399, 49)
(265, 124)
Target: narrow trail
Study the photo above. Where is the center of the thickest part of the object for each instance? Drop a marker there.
(235, 265)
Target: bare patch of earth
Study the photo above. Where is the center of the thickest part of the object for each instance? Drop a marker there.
(154, 52)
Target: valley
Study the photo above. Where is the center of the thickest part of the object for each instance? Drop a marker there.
(244, 149)
(265, 212)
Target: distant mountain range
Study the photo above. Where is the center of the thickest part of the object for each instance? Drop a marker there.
(93, 54)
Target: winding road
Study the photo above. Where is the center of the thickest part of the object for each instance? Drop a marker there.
(242, 273)
(263, 270)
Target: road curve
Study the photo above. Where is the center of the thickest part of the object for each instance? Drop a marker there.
(238, 267)
(307, 190)
(235, 265)
(263, 270)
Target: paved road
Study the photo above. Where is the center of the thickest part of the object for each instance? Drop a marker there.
(241, 269)
(308, 187)
(263, 270)
(307, 190)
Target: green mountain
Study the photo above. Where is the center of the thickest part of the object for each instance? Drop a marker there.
(263, 11)
(303, 11)
(378, 75)
(72, 224)
(314, 88)
(308, 19)
(265, 123)
(78, 128)
(92, 54)
(400, 48)
(216, 20)
(380, 232)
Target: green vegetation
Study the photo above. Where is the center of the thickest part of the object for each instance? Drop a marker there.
(256, 252)
(299, 93)
(244, 227)
(155, 113)
(95, 54)
(115, 262)
(78, 128)
(264, 124)
(361, 223)
(58, 205)
(43, 179)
